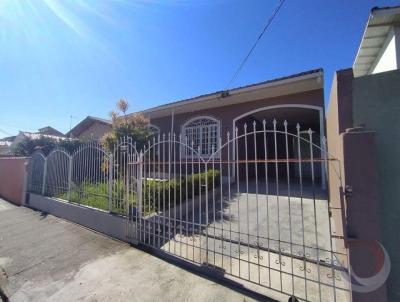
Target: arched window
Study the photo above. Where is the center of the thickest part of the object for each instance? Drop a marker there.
(202, 134)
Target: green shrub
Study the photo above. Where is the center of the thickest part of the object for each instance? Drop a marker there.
(157, 194)
(162, 194)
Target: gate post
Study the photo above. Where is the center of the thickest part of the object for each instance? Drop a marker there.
(110, 183)
(363, 201)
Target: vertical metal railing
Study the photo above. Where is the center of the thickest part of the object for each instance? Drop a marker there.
(255, 207)
(83, 177)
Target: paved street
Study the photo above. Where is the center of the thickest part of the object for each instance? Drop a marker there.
(43, 258)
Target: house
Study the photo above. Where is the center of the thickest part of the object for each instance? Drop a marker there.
(365, 107)
(90, 128)
(297, 98)
(205, 121)
(379, 49)
(8, 143)
(48, 132)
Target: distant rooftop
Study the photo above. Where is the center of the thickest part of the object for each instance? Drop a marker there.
(85, 123)
(50, 131)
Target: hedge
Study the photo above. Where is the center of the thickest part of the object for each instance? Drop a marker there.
(156, 193)
(164, 193)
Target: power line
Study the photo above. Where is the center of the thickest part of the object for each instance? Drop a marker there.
(271, 18)
(5, 132)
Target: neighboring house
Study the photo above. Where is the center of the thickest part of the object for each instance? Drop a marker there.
(33, 135)
(90, 128)
(367, 99)
(379, 49)
(48, 132)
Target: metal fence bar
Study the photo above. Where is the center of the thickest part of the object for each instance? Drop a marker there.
(110, 181)
(279, 261)
(302, 208)
(69, 178)
(44, 177)
(315, 211)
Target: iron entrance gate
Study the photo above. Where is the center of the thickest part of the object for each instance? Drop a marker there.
(255, 207)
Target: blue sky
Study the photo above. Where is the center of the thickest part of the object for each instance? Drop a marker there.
(63, 58)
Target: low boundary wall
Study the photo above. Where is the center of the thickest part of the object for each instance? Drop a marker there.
(110, 224)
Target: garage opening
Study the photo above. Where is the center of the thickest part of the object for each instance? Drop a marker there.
(281, 144)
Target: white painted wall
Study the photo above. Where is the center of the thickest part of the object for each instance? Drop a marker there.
(387, 59)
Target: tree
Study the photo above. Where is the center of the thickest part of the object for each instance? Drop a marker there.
(27, 146)
(135, 126)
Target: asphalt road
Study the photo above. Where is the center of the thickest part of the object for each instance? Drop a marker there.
(43, 258)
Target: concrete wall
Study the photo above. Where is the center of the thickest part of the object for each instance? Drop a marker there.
(351, 215)
(370, 166)
(103, 222)
(13, 179)
(376, 106)
(338, 119)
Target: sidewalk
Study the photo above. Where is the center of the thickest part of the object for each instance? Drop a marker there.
(43, 258)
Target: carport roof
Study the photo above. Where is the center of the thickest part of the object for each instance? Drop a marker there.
(379, 24)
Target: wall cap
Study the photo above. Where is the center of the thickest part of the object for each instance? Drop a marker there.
(359, 130)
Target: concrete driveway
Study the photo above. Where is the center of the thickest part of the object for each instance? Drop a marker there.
(292, 222)
(245, 233)
(43, 258)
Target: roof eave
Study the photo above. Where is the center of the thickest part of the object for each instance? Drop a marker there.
(269, 84)
(375, 13)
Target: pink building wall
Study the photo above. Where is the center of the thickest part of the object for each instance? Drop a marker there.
(12, 179)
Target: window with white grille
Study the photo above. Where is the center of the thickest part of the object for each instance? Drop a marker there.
(202, 134)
